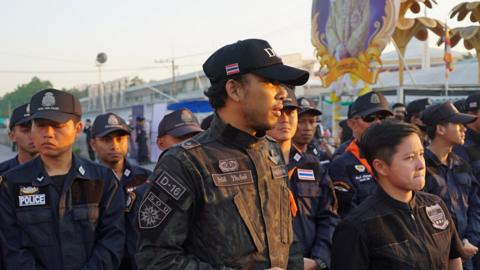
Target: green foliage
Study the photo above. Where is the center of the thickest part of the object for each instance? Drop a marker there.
(21, 95)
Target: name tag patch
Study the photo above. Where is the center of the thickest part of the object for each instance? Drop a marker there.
(437, 216)
(31, 200)
(232, 179)
(31, 196)
(279, 171)
(363, 177)
(304, 174)
(153, 212)
(174, 188)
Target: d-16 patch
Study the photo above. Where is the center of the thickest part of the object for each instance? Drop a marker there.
(173, 187)
(437, 216)
(153, 212)
(233, 178)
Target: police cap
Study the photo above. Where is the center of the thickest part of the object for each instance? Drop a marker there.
(107, 123)
(251, 56)
(472, 103)
(445, 113)
(370, 103)
(179, 123)
(20, 115)
(55, 105)
(307, 106)
(291, 100)
(417, 106)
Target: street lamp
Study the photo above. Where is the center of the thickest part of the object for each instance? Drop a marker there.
(101, 59)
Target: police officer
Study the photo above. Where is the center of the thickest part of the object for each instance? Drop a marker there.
(451, 177)
(350, 173)
(60, 211)
(142, 141)
(221, 200)
(176, 127)
(20, 127)
(110, 136)
(413, 116)
(315, 219)
(398, 227)
(304, 136)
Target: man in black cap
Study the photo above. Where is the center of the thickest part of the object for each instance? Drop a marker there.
(110, 136)
(315, 218)
(221, 200)
(60, 211)
(88, 135)
(176, 127)
(397, 227)
(142, 141)
(304, 138)
(451, 177)
(20, 133)
(351, 175)
(414, 111)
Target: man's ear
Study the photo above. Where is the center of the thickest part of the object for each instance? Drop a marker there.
(234, 90)
(351, 123)
(160, 143)
(381, 167)
(440, 129)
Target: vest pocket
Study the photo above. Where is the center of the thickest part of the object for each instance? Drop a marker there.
(285, 216)
(36, 226)
(242, 210)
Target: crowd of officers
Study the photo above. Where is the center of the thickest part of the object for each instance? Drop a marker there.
(252, 188)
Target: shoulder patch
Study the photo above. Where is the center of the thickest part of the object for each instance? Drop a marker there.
(171, 186)
(153, 211)
(189, 144)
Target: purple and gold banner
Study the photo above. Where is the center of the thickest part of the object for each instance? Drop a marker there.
(349, 36)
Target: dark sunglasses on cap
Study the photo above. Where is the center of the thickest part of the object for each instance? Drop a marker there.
(372, 117)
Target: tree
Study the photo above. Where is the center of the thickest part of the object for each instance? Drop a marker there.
(21, 95)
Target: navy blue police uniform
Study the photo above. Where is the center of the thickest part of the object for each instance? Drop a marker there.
(79, 226)
(132, 177)
(316, 217)
(9, 164)
(454, 182)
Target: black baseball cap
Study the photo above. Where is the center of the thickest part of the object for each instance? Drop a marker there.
(55, 105)
(307, 106)
(107, 123)
(179, 123)
(370, 103)
(418, 106)
(251, 56)
(20, 115)
(472, 103)
(445, 113)
(460, 105)
(291, 100)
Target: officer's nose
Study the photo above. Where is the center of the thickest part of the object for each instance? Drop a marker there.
(48, 131)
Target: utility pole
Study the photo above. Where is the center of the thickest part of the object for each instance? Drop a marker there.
(174, 67)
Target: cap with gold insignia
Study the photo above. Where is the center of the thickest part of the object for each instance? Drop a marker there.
(107, 123)
(55, 105)
(179, 123)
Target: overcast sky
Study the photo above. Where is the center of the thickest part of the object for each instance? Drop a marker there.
(58, 40)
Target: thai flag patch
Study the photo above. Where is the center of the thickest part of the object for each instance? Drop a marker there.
(304, 174)
(232, 69)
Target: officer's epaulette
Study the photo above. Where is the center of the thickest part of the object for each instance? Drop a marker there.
(189, 144)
